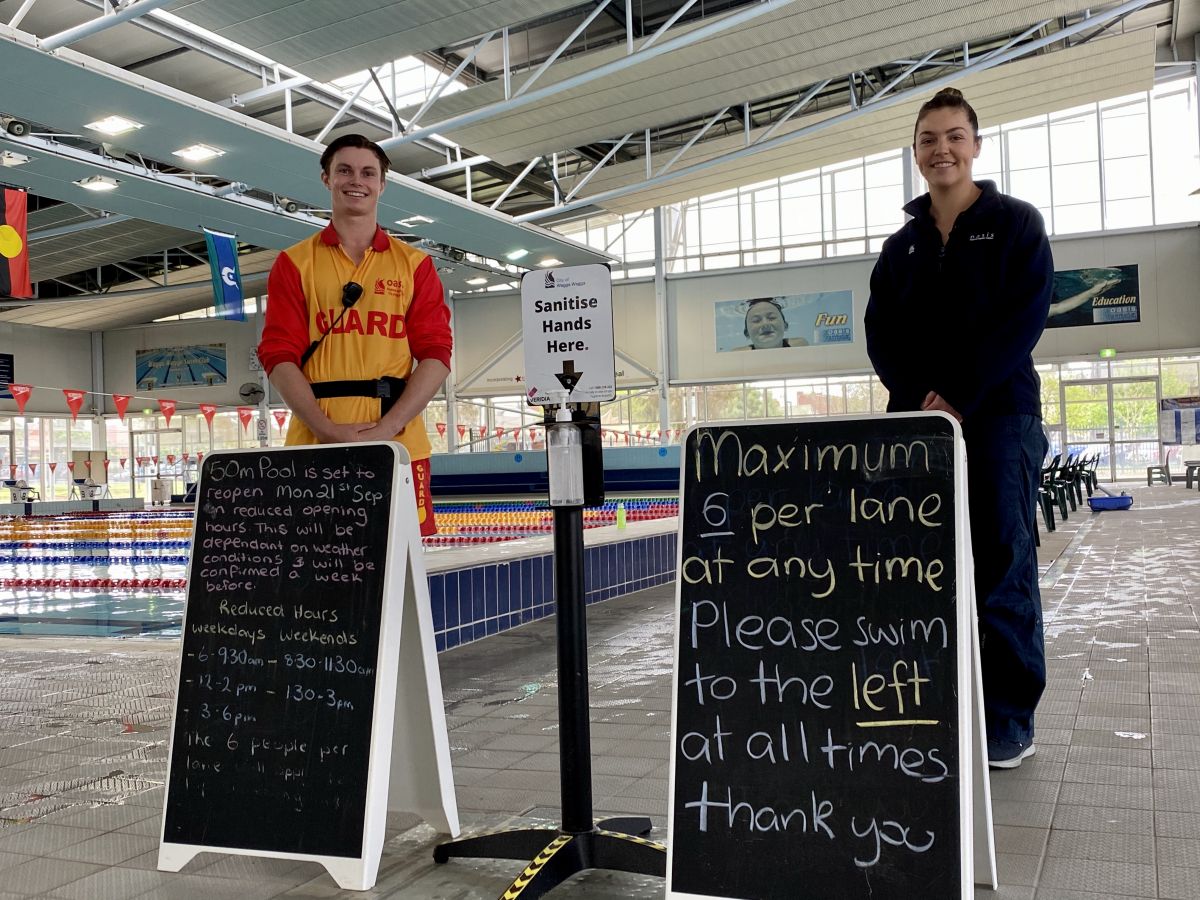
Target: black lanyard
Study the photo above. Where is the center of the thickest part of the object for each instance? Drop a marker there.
(351, 291)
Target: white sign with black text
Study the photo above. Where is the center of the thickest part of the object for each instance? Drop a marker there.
(566, 320)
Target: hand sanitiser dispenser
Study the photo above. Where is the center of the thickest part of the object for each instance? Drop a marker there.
(564, 459)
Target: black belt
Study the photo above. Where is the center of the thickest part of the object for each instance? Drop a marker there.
(387, 389)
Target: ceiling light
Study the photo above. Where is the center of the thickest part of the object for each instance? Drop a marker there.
(198, 153)
(519, 253)
(413, 221)
(98, 183)
(8, 159)
(113, 125)
(550, 261)
(477, 280)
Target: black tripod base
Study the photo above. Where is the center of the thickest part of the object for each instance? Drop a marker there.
(557, 856)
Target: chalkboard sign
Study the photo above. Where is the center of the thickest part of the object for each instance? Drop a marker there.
(821, 663)
(284, 682)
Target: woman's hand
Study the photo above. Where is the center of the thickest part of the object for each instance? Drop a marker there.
(933, 402)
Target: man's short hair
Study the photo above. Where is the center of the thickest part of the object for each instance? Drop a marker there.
(357, 141)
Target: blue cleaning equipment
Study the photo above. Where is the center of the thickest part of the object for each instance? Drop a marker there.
(1110, 500)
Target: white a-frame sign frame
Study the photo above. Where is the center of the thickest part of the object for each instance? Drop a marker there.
(409, 757)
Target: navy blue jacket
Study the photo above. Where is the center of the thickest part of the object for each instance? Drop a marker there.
(963, 319)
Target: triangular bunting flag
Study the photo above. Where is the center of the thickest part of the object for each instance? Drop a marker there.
(74, 400)
(20, 394)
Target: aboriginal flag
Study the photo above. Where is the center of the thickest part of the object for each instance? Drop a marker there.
(14, 248)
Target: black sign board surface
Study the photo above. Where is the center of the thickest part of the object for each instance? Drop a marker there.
(281, 640)
(819, 673)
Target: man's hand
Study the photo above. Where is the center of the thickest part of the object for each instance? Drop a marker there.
(346, 434)
(933, 402)
(375, 431)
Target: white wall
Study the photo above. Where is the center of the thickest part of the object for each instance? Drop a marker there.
(690, 300)
(484, 323)
(1168, 263)
(1169, 270)
(121, 347)
(50, 359)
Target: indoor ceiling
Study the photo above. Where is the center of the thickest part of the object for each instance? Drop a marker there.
(255, 80)
(1098, 70)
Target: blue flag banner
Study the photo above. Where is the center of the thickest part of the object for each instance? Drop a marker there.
(226, 276)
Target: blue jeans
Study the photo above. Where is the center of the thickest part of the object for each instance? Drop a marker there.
(1004, 456)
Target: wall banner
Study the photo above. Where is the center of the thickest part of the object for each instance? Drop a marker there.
(780, 323)
(1101, 296)
(172, 366)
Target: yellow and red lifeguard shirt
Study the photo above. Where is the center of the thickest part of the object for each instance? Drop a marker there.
(401, 317)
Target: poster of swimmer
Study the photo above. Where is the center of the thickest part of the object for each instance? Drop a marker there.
(1102, 296)
(776, 323)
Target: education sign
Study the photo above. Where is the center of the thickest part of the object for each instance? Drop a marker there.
(1095, 296)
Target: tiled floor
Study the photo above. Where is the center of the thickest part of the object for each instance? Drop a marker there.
(1107, 808)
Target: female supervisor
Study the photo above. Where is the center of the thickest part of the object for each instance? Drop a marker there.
(959, 298)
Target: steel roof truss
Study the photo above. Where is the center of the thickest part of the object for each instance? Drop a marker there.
(667, 24)
(173, 28)
(523, 99)
(101, 23)
(442, 85)
(1002, 55)
(267, 90)
(1008, 45)
(20, 14)
(567, 42)
(516, 181)
(337, 116)
(798, 106)
(691, 141)
(138, 275)
(887, 88)
(597, 167)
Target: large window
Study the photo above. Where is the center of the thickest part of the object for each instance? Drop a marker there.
(840, 210)
(140, 447)
(1124, 163)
